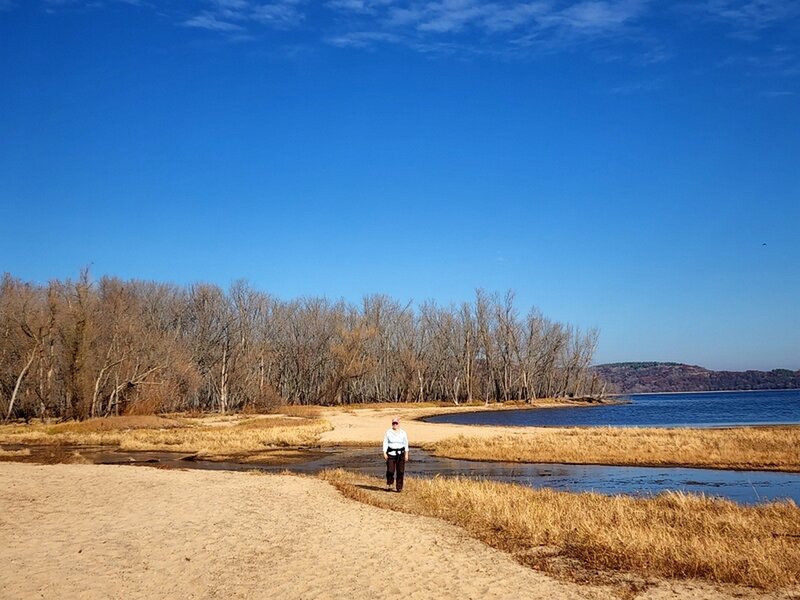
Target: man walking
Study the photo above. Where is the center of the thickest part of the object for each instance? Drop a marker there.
(395, 453)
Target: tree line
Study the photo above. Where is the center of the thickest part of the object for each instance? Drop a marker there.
(81, 349)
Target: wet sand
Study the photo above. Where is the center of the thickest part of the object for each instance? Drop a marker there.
(92, 531)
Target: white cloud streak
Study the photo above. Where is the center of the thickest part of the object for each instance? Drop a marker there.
(52, 4)
(779, 94)
(497, 27)
(363, 39)
(454, 16)
(625, 29)
(752, 13)
(235, 16)
(366, 7)
(600, 15)
(211, 22)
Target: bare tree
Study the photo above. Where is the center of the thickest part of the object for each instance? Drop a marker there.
(27, 329)
(79, 349)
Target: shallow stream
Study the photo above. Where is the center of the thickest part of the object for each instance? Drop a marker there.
(746, 487)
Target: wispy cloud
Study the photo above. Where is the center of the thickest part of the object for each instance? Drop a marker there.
(779, 94)
(91, 3)
(508, 18)
(367, 7)
(287, 13)
(602, 15)
(212, 22)
(752, 13)
(363, 39)
(454, 16)
(612, 30)
(234, 16)
(779, 60)
(748, 20)
(496, 27)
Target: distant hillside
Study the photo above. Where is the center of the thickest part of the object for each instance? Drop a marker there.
(639, 377)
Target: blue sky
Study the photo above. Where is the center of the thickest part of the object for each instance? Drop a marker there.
(627, 165)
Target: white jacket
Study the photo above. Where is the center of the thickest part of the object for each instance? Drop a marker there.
(395, 439)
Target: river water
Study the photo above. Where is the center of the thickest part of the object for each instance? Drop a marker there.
(701, 409)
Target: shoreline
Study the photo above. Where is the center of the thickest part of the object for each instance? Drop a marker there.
(721, 448)
(706, 392)
(556, 445)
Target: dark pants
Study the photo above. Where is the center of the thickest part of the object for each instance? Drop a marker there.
(396, 467)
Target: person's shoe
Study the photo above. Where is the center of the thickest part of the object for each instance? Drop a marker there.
(388, 487)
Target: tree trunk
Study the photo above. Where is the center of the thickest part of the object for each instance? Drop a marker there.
(19, 383)
(97, 383)
(223, 386)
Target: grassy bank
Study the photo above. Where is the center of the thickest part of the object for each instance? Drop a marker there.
(585, 536)
(763, 448)
(209, 437)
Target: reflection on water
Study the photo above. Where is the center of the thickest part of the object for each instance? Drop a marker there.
(746, 487)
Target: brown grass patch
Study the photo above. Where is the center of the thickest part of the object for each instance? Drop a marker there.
(308, 412)
(575, 536)
(270, 422)
(117, 424)
(12, 454)
(285, 456)
(206, 437)
(763, 448)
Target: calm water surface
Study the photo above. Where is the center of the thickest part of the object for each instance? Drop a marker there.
(701, 409)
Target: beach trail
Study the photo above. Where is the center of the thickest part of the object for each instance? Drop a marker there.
(366, 426)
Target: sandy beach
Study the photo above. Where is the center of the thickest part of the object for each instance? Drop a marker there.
(365, 426)
(87, 531)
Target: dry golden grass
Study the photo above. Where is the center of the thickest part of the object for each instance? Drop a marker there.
(278, 456)
(116, 423)
(308, 412)
(584, 536)
(12, 454)
(400, 406)
(215, 436)
(763, 448)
